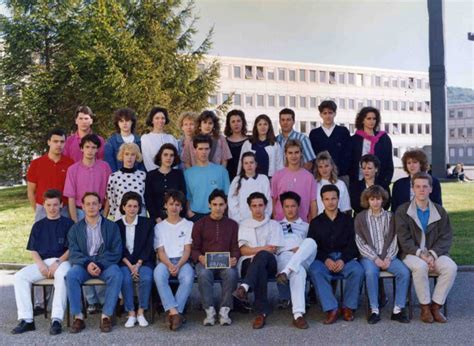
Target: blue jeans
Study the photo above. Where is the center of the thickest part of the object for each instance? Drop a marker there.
(144, 287)
(321, 277)
(112, 276)
(402, 280)
(186, 280)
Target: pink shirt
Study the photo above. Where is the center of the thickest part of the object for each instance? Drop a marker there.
(301, 182)
(81, 179)
(73, 150)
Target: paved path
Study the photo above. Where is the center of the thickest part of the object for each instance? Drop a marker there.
(459, 330)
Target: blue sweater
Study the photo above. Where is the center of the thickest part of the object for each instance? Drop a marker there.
(338, 145)
(109, 253)
(401, 192)
(112, 148)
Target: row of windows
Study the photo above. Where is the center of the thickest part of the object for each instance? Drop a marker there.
(390, 128)
(460, 113)
(460, 132)
(461, 151)
(325, 77)
(313, 102)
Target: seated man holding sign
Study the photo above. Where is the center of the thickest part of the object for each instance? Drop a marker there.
(216, 233)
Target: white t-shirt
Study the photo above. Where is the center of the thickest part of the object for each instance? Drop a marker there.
(344, 199)
(173, 237)
(151, 144)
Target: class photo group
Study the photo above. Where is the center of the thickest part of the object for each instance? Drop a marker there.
(302, 211)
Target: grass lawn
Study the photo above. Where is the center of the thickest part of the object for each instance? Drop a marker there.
(16, 218)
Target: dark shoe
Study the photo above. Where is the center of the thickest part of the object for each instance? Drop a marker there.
(283, 304)
(425, 314)
(55, 328)
(259, 322)
(38, 310)
(347, 314)
(23, 326)
(106, 325)
(437, 314)
(300, 323)
(331, 316)
(282, 279)
(401, 317)
(77, 326)
(240, 293)
(374, 318)
(176, 321)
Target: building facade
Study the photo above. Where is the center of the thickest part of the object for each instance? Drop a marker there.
(266, 86)
(460, 136)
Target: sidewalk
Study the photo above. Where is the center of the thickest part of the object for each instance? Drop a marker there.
(458, 331)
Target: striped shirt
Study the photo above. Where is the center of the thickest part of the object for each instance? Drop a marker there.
(379, 226)
(94, 237)
(308, 153)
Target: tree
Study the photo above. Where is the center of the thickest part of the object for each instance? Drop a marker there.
(104, 54)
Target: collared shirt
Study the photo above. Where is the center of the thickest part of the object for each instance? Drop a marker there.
(94, 237)
(73, 150)
(308, 153)
(294, 233)
(328, 131)
(423, 216)
(130, 233)
(365, 150)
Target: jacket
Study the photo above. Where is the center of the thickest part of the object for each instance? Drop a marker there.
(401, 192)
(275, 157)
(142, 244)
(111, 150)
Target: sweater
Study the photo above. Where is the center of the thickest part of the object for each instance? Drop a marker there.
(401, 192)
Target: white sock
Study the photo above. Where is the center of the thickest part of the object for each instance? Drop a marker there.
(375, 311)
(396, 309)
(246, 287)
(28, 320)
(297, 315)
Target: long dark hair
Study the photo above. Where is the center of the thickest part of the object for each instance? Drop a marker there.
(242, 171)
(270, 134)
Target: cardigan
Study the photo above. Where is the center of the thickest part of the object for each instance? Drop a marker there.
(383, 151)
(143, 242)
(355, 191)
(112, 148)
(275, 157)
(110, 252)
(401, 192)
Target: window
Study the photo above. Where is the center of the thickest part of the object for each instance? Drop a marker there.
(404, 128)
(332, 77)
(281, 74)
(259, 100)
(303, 126)
(282, 101)
(378, 104)
(460, 114)
(351, 78)
(249, 100)
(461, 152)
(248, 72)
(237, 72)
(260, 74)
(427, 129)
(292, 75)
(420, 129)
(351, 103)
(451, 113)
(386, 82)
(271, 75)
(395, 105)
(403, 106)
(322, 76)
(342, 103)
(312, 102)
(386, 105)
(419, 106)
(418, 83)
(396, 130)
(351, 128)
(213, 99)
(412, 129)
(303, 101)
(225, 97)
(411, 83)
(469, 132)
(359, 79)
(387, 128)
(403, 83)
(237, 99)
(271, 101)
(460, 132)
(313, 124)
(360, 105)
(292, 101)
(469, 151)
(378, 81)
(370, 103)
(427, 85)
(342, 78)
(312, 76)
(427, 106)
(394, 83)
(452, 152)
(395, 152)
(302, 75)
(411, 106)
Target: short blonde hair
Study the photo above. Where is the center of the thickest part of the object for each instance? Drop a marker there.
(132, 147)
(187, 116)
(325, 156)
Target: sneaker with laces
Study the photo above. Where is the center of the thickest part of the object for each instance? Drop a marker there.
(131, 321)
(224, 318)
(210, 319)
(142, 322)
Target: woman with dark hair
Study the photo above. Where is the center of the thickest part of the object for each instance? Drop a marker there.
(247, 182)
(368, 139)
(152, 141)
(263, 143)
(208, 124)
(370, 166)
(236, 134)
(162, 179)
(138, 257)
(414, 161)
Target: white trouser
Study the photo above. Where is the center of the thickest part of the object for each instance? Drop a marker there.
(29, 274)
(297, 263)
(444, 267)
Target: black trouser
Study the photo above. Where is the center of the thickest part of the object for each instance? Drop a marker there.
(256, 273)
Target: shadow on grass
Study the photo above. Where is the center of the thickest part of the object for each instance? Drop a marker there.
(13, 198)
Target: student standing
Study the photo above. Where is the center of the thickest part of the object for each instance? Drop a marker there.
(187, 124)
(236, 135)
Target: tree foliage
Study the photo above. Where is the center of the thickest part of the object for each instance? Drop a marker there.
(59, 54)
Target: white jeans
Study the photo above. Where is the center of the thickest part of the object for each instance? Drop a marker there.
(29, 274)
(444, 267)
(297, 263)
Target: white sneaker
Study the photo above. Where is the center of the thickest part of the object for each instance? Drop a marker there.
(210, 319)
(224, 318)
(142, 322)
(131, 321)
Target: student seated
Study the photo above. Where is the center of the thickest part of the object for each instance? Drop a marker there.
(173, 246)
(49, 249)
(377, 244)
(138, 257)
(425, 237)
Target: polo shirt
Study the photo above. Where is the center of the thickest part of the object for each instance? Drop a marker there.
(81, 179)
(308, 153)
(423, 216)
(173, 237)
(49, 237)
(73, 150)
(47, 174)
(294, 233)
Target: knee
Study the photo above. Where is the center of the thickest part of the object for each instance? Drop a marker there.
(311, 244)
(357, 270)
(205, 275)
(420, 267)
(449, 266)
(262, 256)
(231, 274)
(72, 275)
(20, 276)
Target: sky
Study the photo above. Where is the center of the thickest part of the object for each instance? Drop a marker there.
(372, 33)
